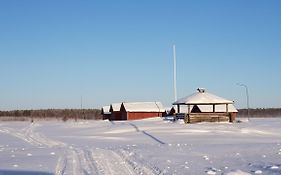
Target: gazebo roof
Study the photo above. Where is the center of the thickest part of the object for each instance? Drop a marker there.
(202, 98)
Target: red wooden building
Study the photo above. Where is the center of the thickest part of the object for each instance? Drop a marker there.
(115, 111)
(141, 110)
(105, 112)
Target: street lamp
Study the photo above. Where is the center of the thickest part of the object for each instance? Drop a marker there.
(247, 95)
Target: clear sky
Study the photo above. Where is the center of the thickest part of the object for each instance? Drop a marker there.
(53, 52)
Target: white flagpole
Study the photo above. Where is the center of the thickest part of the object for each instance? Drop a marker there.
(175, 73)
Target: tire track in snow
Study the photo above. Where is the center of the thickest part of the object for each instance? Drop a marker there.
(28, 135)
(61, 165)
(111, 163)
(86, 161)
(141, 166)
(21, 136)
(76, 161)
(72, 161)
(40, 138)
(34, 138)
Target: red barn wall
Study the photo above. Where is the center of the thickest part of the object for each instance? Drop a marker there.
(106, 116)
(141, 115)
(117, 115)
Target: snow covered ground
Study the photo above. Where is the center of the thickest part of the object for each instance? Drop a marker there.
(150, 146)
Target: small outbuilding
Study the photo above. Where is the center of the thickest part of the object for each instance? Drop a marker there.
(141, 110)
(105, 112)
(115, 111)
(203, 106)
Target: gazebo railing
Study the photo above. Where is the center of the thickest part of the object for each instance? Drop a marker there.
(180, 116)
(207, 117)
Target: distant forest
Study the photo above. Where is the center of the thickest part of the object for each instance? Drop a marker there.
(64, 114)
(260, 112)
(95, 114)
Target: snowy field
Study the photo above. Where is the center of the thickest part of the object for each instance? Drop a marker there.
(151, 146)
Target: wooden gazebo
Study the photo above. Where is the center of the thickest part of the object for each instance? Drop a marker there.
(203, 99)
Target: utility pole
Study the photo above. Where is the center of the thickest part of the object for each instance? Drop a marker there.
(81, 106)
(81, 103)
(247, 96)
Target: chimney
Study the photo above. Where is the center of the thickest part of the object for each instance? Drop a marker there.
(201, 90)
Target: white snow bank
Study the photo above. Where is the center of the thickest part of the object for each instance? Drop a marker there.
(150, 146)
(238, 172)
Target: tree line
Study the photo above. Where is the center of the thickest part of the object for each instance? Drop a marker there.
(64, 114)
(260, 112)
(95, 114)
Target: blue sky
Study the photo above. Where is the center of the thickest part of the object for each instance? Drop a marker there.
(54, 52)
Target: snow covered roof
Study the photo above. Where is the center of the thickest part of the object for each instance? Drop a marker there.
(105, 110)
(115, 106)
(218, 108)
(202, 97)
(144, 107)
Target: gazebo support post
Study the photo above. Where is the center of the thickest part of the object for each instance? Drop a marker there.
(226, 108)
(188, 113)
(227, 113)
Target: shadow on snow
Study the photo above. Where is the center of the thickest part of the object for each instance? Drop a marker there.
(22, 172)
(147, 134)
